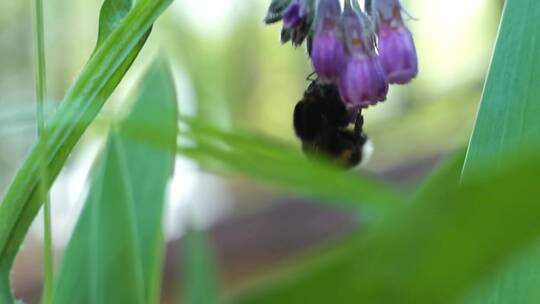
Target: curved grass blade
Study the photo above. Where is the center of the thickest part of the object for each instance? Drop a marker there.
(119, 240)
(283, 165)
(272, 161)
(431, 251)
(84, 100)
(508, 121)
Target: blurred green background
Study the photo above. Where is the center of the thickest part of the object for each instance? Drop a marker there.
(231, 69)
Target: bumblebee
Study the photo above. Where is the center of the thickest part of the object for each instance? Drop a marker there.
(322, 122)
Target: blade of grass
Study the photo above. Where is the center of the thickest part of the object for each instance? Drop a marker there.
(431, 251)
(41, 95)
(283, 165)
(200, 286)
(84, 100)
(141, 171)
(508, 121)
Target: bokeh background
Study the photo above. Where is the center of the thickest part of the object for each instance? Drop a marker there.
(232, 70)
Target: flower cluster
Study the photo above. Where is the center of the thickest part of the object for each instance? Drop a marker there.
(360, 53)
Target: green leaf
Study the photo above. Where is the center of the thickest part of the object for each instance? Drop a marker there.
(111, 14)
(200, 283)
(80, 106)
(119, 239)
(508, 121)
(508, 117)
(102, 262)
(431, 251)
(283, 165)
(448, 173)
(150, 166)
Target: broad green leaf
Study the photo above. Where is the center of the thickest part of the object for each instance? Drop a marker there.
(150, 166)
(199, 273)
(517, 283)
(431, 251)
(102, 262)
(126, 222)
(508, 117)
(80, 106)
(508, 121)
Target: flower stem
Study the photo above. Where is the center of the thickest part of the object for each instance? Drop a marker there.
(370, 6)
(41, 93)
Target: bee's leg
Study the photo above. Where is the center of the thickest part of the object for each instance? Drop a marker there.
(309, 45)
(358, 124)
(359, 134)
(310, 77)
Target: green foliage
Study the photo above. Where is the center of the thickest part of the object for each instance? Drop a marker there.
(451, 237)
(283, 165)
(150, 167)
(447, 174)
(41, 95)
(102, 262)
(82, 103)
(430, 251)
(508, 121)
(200, 284)
(508, 117)
(115, 254)
(111, 14)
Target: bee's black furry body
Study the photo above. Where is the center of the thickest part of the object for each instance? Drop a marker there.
(321, 121)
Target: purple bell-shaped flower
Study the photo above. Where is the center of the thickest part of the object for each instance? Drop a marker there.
(396, 45)
(328, 50)
(363, 82)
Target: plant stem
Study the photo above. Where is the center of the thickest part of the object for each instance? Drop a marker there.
(370, 7)
(41, 93)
